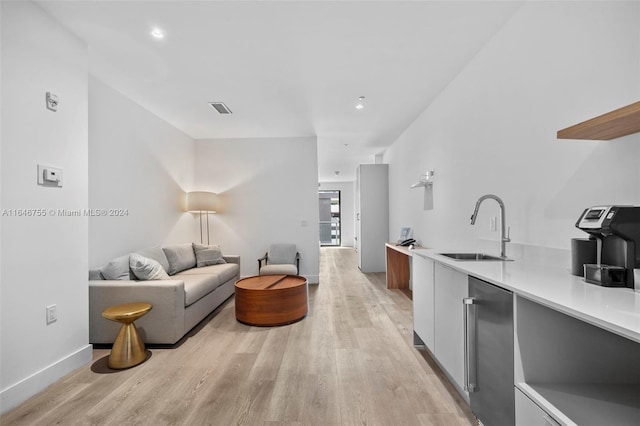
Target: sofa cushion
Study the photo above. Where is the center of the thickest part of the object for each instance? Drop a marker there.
(197, 286)
(279, 270)
(180, 257)
(208, 255)
(117, 269)
(157, 254)
(225, 271)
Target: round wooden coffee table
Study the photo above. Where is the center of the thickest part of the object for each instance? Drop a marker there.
(268, 300)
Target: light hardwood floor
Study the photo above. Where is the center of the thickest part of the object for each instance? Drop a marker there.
(350, 362)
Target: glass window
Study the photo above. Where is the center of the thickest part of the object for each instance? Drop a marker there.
(329, 202)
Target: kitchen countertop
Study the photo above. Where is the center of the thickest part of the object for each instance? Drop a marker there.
(613, 309)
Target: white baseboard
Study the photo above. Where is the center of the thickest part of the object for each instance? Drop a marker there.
(40, 380)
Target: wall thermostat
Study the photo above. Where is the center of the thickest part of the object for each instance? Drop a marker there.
(49, 176)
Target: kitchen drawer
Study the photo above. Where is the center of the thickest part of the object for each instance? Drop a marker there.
(529, 414)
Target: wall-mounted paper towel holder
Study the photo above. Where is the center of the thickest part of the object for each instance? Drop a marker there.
(426, 180)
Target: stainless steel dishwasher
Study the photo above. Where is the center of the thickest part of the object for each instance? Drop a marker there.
(488, 350)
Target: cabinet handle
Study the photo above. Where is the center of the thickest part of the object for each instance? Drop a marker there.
(469, 328)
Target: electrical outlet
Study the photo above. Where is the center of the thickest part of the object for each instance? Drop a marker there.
(52, 314)
(492, 223)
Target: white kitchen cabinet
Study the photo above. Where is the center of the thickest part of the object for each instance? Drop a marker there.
(423, 300)
(578, 373)
(576, 345)
(529, 414)
(372, 216)
(451, 286)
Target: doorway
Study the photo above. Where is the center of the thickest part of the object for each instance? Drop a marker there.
(329, 204)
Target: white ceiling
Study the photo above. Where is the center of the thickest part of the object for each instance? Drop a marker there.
(285, 69)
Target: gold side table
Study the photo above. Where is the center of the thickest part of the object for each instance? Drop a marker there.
(128, 349)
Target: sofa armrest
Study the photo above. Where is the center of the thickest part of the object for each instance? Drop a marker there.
(232, 258)
(163, 324)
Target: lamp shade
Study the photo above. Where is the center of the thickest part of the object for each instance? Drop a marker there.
(201, 201)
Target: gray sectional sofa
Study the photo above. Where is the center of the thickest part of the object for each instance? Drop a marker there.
(199, 280)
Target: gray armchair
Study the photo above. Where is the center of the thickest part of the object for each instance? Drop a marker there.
(280, 259)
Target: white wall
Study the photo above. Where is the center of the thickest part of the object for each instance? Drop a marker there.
(44, 258)
(268, 193)
(493, 130)
(139, 163)
(347, 209)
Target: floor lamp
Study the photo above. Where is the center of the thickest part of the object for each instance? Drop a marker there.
(201, 201)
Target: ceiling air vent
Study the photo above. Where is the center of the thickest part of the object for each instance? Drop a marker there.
(220, 107)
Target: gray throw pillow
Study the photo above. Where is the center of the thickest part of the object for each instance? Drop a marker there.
(208, 255)
(180, 257)
(117, 269)
(146, 269)
(156, 253)
(95, 274)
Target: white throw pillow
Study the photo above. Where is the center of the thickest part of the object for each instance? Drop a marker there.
(208, 255)
(146, 269)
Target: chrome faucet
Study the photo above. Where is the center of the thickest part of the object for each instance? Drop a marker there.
(504, 238)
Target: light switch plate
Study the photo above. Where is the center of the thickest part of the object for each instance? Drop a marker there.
(52, 101)
(52, 314)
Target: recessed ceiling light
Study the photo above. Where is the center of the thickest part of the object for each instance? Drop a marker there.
(157, 33)
(360, 103)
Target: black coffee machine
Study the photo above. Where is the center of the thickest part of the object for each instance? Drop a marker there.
(617, 231)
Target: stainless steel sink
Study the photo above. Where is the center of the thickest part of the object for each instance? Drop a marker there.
(472, 256)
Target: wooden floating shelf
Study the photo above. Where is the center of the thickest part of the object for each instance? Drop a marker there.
(620, 122)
